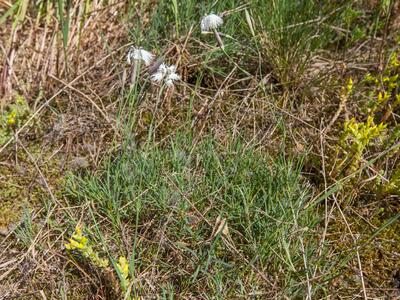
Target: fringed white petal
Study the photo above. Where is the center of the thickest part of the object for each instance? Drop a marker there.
(169, 83)
(146, 56)
(157, 77)
(139, 54)
(167, 74)
(160, 74)
(171, 69)
(173, 77)
(163, 68)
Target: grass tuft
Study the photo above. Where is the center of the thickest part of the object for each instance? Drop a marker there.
(218, 212)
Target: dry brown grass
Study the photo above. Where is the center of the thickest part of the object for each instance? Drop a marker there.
(74, 103)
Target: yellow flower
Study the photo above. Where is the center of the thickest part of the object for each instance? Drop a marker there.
(20, 101)
(123, 270)
(349, 85)
(11, 121)
(394, 61)
(12, 118)
(123, 266)
(369, 77)
(81, 243)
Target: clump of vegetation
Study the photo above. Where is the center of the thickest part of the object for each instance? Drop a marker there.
(212, 209)
(356, 137)
(12, 117)
(122, 269)
(81, 243)
(291, 32)
(381, 90)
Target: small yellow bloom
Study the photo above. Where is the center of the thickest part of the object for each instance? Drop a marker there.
(394, 62)
(349, 85)
(81, 243)
(11, 121)
(12, 118)
(20, 101)
(123, 267)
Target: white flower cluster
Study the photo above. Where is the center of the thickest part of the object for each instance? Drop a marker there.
(166, 74)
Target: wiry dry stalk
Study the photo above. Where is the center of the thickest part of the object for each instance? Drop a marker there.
(219, 40)
(134, 70)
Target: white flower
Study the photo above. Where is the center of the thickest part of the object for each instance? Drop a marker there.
(173, 77)
(167, 74)
(169, 82)
(157, 77)
(160, 74)
(139, 54)
(163, 68)
(210, 22)
(171, 69)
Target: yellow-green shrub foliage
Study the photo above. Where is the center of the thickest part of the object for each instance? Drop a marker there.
(393, 185)
(12, 117)
(122, 268)
(356, 137)
(382, 92)
(81, 244)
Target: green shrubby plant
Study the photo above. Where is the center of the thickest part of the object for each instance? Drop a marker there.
(379, 131)
(122, 269)
(12, 117)
(383, 89)
(80, 244)
(356, 137)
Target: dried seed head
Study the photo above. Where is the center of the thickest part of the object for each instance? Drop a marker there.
(210, 22)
